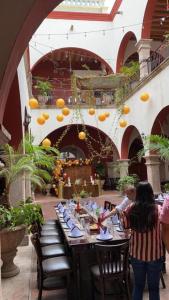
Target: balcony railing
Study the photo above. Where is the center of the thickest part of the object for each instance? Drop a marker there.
(96, 3)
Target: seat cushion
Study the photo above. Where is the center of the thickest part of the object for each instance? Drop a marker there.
(49, 240)
(49, 232)
(53, 251)
(56, 264)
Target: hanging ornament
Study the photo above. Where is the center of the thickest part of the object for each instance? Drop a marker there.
(45, 116)
(60, 103)
(33, 103)
(91, 111)
(144, 97)
(65, 111)
(125, 110)
(82, 135)
(123, 123)
(102, 117)
(59, 118)
(41, 120)
(46, 143)
(107, 114)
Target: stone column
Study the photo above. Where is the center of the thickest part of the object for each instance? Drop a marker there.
(17, 190)
(123, 167)
(143, 49)
(153, 172)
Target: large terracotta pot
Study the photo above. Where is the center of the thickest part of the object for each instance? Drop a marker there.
(165, 223)
(10, 239)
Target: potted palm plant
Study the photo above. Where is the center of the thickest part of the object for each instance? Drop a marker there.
(44, 87)
(36, 164)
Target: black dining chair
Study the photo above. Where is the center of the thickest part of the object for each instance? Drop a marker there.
(113, 266)
(107, 205)
(53, 273)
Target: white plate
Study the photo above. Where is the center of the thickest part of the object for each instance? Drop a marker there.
(77, 236)
(108, 238)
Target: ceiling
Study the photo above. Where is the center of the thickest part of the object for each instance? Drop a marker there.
(160, 20)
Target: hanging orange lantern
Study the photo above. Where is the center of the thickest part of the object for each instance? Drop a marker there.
(65, 111)
(144, 97)
(91, 111)
(123, 123)
(59, 118)
(125, 110)
(33, 103)
(46, 143)
(40, 120)
(60, 103)
(107, 114)
(82, 135)
(102, 117)
(46, 116)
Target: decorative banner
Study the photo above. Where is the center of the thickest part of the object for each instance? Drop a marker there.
(33, 103)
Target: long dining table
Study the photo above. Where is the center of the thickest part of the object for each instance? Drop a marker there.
(82, 251)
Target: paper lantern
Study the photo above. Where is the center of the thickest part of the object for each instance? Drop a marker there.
(82, 135)
(107, 114)
(41, 120)
(125, 109)
(123, 123)
(144, 97)
(46, 143)
(65, 111)
(59, 118)
(91, 111)
(33, 103)
(60, 103)
(46, 116)
(102, 117)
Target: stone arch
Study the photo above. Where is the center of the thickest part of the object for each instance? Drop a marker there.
(161, 122)
(147, 21)
(129, 135)
(122, 49)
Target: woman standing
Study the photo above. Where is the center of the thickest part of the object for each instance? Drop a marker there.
(146, 250)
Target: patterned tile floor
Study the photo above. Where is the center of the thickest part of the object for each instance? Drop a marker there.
(23, 286)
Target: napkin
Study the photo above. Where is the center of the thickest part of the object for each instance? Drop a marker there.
(61, 210)
(164, 217)
(70, 223)
(59, 205)
(94, 206)
(160, 197)
(115, 219)
(104, 233)
(75, 231)
(66, 217)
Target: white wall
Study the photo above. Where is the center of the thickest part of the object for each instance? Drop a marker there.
(106, 46)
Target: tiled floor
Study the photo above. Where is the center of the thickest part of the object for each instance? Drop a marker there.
(23, 286)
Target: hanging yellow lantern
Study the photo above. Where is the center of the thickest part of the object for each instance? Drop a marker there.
(40, 120)
(82, 135)
(107, 114)
(125, 110)
(46, 143)
(60, 103)
(45, 116)
(123, 123)
(144, 97)
(65, 111)
(59, 118)
(102, 117)
(33, 103)
(91, 111)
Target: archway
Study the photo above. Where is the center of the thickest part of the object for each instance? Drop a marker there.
(127, 41)
(161, 122)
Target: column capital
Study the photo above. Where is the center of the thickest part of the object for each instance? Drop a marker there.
(125, 160)
(152, 159)
(143, 44)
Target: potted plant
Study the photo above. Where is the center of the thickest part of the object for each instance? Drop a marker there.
(44, 88)
(13, 223)
(127, 180)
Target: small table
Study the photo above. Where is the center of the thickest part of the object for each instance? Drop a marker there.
(92, 189)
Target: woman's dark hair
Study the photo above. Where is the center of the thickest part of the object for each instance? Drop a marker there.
(143, 214)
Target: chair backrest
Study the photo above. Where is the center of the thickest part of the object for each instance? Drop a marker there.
(107, 205)
(112, 259)
(36, 243)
